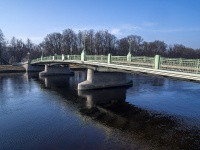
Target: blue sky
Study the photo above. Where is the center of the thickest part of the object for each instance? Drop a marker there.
(171, 21)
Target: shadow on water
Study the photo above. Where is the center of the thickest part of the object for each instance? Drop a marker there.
(108, 107)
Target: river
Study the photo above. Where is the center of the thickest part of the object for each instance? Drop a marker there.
(49, 113)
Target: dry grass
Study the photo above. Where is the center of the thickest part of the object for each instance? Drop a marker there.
(10, 68)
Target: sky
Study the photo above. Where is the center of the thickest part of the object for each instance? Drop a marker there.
(171, 21)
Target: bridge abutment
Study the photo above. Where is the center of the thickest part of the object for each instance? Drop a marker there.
(31, 68)
(55, 70)
(97, 80)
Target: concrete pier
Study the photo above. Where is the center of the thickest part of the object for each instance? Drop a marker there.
(56, 70)
(96, 80)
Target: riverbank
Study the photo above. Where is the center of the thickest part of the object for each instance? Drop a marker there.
(16, 69)
(11, 69)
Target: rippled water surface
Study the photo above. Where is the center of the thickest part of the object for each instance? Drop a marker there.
(49, 113)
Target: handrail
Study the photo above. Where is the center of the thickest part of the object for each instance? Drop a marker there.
(173, 64)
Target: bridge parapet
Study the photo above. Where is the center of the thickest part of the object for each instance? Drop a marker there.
(157, 62)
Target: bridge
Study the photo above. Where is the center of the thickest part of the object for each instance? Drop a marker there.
(187, 69)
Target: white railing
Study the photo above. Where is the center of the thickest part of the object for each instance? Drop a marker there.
(173, 64)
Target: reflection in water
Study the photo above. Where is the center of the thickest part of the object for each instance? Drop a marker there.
(49, 113)
(63, 80)
(108, 107)
(97, 97)
(55, 81)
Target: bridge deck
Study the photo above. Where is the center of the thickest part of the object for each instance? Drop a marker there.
(128, 68)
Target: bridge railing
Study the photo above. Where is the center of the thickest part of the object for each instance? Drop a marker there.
(36, 60)
(72, 57)
(140, 61)
(119, 59)
(97, 58)
(143, 61)
(180, 64)
(47, 58)
(58, 57)
(173, 64)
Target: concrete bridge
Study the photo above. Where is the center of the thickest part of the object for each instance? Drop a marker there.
(113, 68)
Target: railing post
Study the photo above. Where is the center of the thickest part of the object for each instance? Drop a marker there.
(180, 63)
(63, 57)
(157, 62)
(144, 60)
(109, 58)
(197, 66)
(53, 57)
(83, 55)
(95, 57)
(41, 58)
(129, 57)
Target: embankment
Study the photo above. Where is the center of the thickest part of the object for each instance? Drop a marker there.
(11, 69)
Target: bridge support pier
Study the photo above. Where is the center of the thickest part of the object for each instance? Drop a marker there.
(97, 80)
(55, 70)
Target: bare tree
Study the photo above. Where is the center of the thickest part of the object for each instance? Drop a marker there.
(20, 50)
(69, 42)
(90, 41)
(99, 43)
(110, 41)
(29, 45)
(99, 37)
(80, 41)
(53, 43)
(2, 46)
(123, 46)
(136, 44)
(12, 49)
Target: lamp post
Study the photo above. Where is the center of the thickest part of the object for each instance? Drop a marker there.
(28, 55)
(130, 42)
(95, 51)
(83, 54)
(55, 55)
(42, 51)
(84, 40)
(129, 53)
(71, 50)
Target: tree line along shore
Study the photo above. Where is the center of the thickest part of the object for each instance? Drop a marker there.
(100, 42)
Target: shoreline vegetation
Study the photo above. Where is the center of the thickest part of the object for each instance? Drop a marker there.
(102, 42)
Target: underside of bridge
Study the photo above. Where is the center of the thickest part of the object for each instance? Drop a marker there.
(56, 70)
(97, 77)
(32, 68)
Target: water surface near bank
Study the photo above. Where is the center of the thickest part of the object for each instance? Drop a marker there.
(49, 113)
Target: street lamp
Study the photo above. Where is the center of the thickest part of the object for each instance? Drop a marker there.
(71, 50)
(130, 42)
(129, 53)
(84, 40)
(83, 54)
(55, 55)
(42, 51)
(28, 55)
(95, 51)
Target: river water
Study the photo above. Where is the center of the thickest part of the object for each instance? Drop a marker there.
(49, 113)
